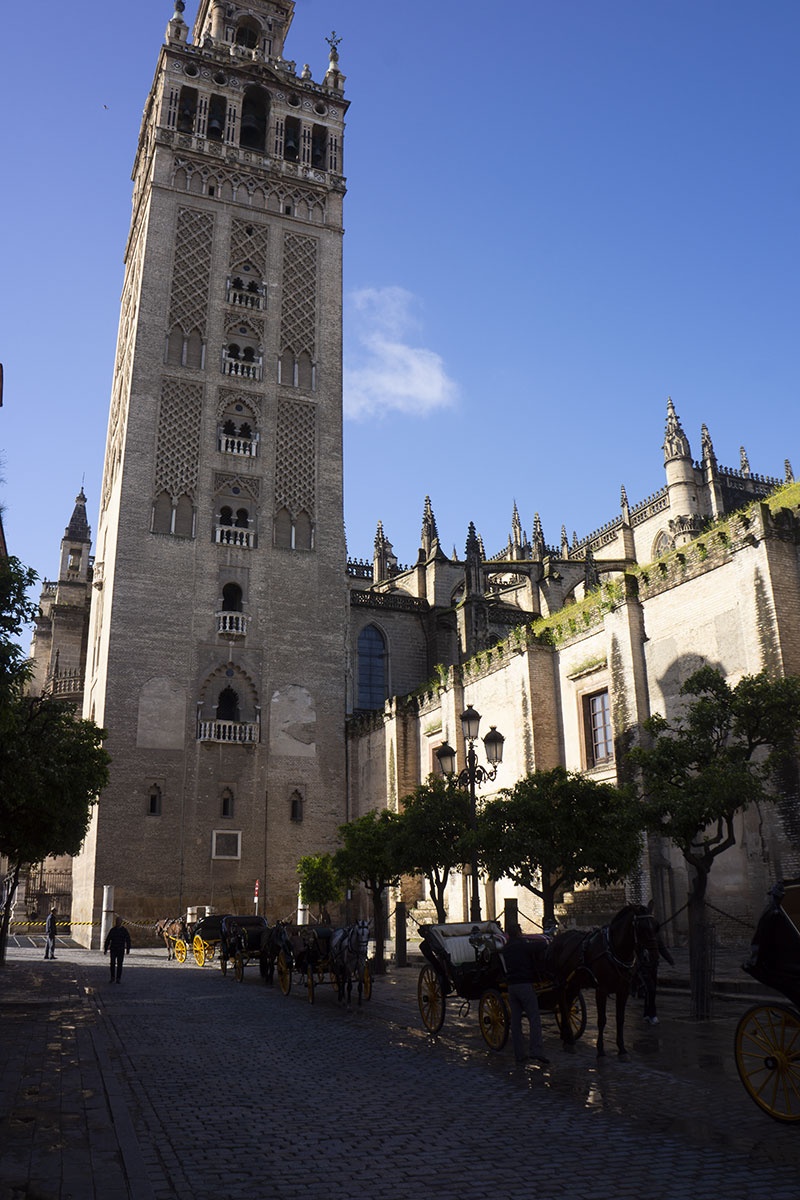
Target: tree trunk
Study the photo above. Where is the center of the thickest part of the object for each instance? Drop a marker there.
(700, 948)
(11, 892)
(548, 903)
(437, 894)
(377, 908)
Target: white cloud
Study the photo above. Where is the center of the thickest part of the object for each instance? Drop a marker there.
(383, 372)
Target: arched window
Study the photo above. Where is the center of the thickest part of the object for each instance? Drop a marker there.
(302, 532)
(296, 806)
(184, 517)
(154, 801)
(175, 346)
(283, 529)
(319, 147)
(248, 32)
(662, 545)
(228, 705)
(162, 513)
(371, 668)
(226, 803)
(305, 371)
(242, 518)
(187, 110)
(217, 110)
(255, 116)
(194, 350)
(225, 515)
(291, 139)
(231, 598)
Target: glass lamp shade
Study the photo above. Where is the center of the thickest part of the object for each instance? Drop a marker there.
(447, 759)
(470, 723)
(493, 743)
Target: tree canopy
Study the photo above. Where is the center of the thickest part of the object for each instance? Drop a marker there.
(371, 855)
(434, 836)
(320, 882)
(555, 829)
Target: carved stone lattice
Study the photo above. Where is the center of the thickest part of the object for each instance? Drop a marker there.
(299, 300)
(226, 483)
(122, 367)
(238, 322)
(249, 245)
(296, 458)
(192, 270)
(306, 205)
(178, 449)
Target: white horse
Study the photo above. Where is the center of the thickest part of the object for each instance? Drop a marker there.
(349, 950)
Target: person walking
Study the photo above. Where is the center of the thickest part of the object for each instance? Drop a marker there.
(50, 934)
(518, 957)
(118, 942)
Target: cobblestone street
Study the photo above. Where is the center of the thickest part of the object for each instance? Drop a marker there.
(183, 1083)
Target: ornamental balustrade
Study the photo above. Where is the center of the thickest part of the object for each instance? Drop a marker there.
(232, 535)
(245, 299)
(241, 368)
(243, 733)
(233, 624)
(231, 444)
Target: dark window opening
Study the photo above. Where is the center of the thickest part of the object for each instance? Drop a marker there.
(231, 598)
(154, 801)
(247, 34)
(226, 807)
(371, 668)
(319, 146)
(291, 139)
(296, 806)
(255, 115)
(228, 705)
(217, 111)
(226, 515)
(187, 110)
(242, 518)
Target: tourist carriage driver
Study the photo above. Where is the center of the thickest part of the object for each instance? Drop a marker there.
(518, 957)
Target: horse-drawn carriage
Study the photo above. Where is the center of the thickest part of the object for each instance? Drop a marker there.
(767, 1043)
(240, 938)
(317, 953)
(464, 959)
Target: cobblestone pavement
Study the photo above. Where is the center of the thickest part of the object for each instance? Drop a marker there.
(182, 1083)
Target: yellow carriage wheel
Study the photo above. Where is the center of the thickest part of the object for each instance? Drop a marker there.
(284, 974)
(199, 949)
(767, 1047)
(576, 1015)
(366, 980)
(181, 950)
(431, 999)
(493, 1018)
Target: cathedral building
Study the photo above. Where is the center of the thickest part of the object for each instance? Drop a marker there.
(259, 688)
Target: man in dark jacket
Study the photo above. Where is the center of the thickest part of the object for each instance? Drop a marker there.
(50, 934)
(119, 943)
(519, 962)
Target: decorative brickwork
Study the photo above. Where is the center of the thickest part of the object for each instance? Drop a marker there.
(122, 368)
(245, 483)
(299, 298)
(257, 192)
(178, 450)
(296, 458)
(227, 398)
(191, 271)
(249, 245)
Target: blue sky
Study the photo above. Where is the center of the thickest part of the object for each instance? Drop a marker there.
(559, 213)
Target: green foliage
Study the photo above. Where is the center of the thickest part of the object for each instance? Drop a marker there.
(371, 855)
(557, 828)
(716, 759)
(434, 834)
(320, 882)
(16, 611)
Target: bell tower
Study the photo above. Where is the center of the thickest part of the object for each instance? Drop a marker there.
(219, 603)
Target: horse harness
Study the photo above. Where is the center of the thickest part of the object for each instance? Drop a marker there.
(623, 967)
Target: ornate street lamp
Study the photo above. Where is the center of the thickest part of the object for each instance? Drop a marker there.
(473, 775)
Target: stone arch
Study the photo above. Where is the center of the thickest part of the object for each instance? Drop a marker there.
(234, 677)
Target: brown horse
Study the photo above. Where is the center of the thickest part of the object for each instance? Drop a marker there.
(171, 928)
(604, 959)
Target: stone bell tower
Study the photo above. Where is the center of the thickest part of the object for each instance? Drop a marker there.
(218, 616)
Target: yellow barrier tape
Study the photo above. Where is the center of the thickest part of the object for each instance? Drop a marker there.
(59, 924)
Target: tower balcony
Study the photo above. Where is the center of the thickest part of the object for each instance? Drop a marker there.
(232, 624)
(242, 733)
(245, 298)
(233, 535)
(241, 368)
(230, 443)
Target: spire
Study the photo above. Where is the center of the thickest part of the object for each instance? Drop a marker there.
(537, 541)
(707, 446)
(430, 533)
(787, 471)
(480, 547)
(591, 576)
(384, 563)
(473, 577)
(516, 527)
(564, 542)
(676, 443)
(177, 29)
(744, 461)
(623, 503)
(473, 547)
(78, 528)
(333, 77)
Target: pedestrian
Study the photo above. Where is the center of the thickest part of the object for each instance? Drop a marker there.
(518, 957)
(50, 934)
(119, 942)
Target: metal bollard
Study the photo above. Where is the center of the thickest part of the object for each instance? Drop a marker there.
(400, 943)
(510, 913)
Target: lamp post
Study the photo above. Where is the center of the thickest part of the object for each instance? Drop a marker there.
(473, 775)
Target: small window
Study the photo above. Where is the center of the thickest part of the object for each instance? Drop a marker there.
(226, 843)
(296, 806)
(597, 729)
(226, 803)
(154, 801)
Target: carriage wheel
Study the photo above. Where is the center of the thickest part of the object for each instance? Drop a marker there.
(366, 980)
(181, 950)
(577, 1017)
(199, 950)
(493, 1018)
(310, 984)
(431, 999)
(284, 974)
(238, 967)
(767, 1049)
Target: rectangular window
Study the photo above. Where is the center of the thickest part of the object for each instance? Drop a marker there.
(226, 843)
(597, 729)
